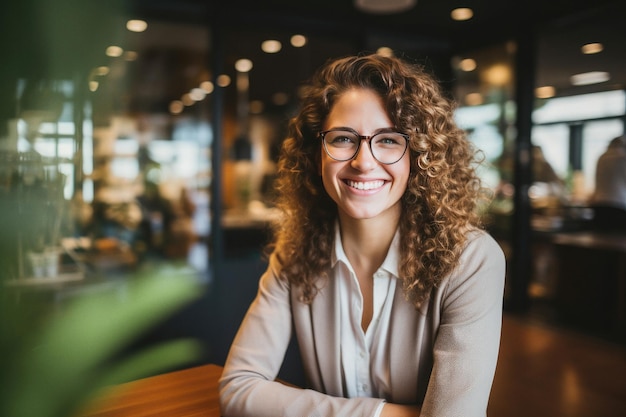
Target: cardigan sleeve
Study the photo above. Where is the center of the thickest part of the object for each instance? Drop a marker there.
(467, 342)
(248, 387)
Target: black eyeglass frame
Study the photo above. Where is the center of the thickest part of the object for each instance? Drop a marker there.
(361, 139)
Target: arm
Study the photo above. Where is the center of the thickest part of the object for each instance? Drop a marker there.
(467, 343)
(397, 410)
(248, 386)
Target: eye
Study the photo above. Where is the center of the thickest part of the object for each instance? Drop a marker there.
(389, 139)
(340, 139)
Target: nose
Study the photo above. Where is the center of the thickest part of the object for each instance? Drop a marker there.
(364, 160)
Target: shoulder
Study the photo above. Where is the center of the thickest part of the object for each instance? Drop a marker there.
(482, 266)
(479, 242)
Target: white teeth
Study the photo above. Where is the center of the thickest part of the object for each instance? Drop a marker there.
(370, 185)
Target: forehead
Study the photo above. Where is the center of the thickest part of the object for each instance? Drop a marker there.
(360, 109)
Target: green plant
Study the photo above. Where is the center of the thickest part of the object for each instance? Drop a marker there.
(52, 366)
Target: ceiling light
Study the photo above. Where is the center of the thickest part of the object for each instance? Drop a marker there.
(462, 13)
(256, 107)
(102, 71)
(298, 41)
(176, 107)
(223, 80)
(473, 99)
(114, 51)
(243, 65)
(384, 6)
(467, 64)
(498, 75)
(280, 99)
(207, 86)
(546, 91)
(271, 46)
(136, 25)
(384, 51)
(130, 55)
(187, 100)
(197, 94)
(593, 77)
(592, 48)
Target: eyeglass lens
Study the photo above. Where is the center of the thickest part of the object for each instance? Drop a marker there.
(386, 147)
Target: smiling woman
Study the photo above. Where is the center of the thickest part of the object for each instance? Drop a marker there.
(390, 249)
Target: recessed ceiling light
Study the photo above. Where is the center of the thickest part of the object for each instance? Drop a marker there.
(546, 91)
(223, 80)
(467, 64)
(593, 77)
(384, 6)
(176, 107)
(474, 99)
(271, 46)
(462, 13)
(114, 51)
(385, 51)
(256, 107)
(207, 86)
(136, 25)
(243, 65)
(592, 48)
(298, 41)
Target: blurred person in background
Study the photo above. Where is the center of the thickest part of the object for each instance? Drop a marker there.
(380, 266)
(609, 197)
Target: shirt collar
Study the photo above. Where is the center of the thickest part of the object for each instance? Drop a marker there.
(390, 264)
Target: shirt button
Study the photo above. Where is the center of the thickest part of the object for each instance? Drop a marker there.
(362, 354)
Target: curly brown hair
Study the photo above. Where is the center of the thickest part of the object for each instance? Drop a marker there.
(438, 206)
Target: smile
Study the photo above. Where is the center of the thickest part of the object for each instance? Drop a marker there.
(365, 185)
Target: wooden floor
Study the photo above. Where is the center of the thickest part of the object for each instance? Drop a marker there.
(544, 370)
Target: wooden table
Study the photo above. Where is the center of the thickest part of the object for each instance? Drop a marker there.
(188, 393)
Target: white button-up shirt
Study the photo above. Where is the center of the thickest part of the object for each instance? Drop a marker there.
(363, 376)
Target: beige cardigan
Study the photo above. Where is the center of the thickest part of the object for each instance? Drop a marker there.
(442, 356)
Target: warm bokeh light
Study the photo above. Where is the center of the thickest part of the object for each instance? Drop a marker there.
(462, 13)
(384, 51)
(474, 99)
(498, 75)
(130, 55)
(384, 6)
(136, 25)
(102, 71)
(114, 51)
(298, 41)
(93, 85)
(587, 78)
(280, 99)
(546, 91)
(187, 100)
(243, 65)
(256, 107)
(271, 46)
(223, 80)
(467, 64)
(197, 94)
(207, 86)
(592, 48)
(176, 107)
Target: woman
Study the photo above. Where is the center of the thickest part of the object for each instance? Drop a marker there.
(379, 264)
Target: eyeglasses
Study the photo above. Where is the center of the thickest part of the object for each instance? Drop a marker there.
(344, 144)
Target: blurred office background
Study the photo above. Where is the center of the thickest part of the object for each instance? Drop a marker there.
(142, 134)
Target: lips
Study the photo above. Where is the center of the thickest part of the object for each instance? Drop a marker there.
(365, 185)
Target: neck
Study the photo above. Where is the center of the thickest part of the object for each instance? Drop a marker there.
(366, 241)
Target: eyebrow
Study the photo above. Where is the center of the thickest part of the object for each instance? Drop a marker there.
(380, 130)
